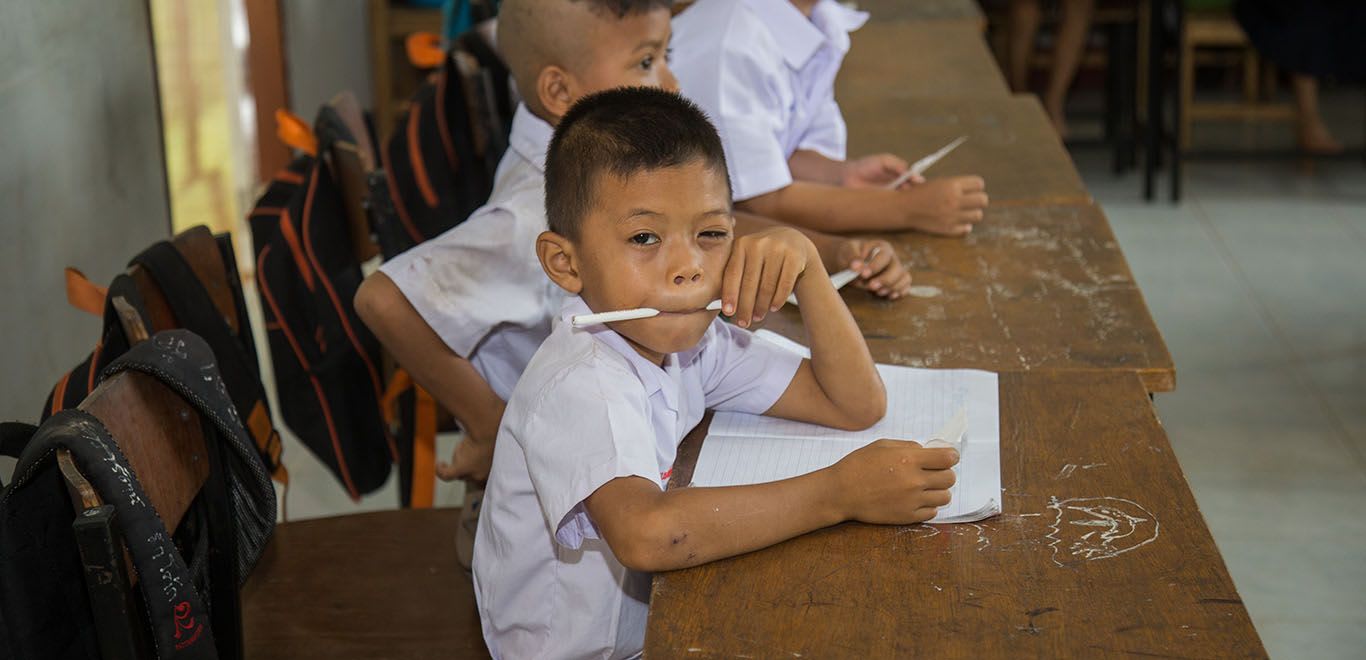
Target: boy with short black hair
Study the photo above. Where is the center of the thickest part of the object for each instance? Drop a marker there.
(464, 312)
(576, 514)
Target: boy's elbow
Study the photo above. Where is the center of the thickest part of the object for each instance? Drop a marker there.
(866, 412)
(652, 545)
(370, 297)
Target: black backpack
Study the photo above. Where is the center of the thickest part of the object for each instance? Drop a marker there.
(440, 161)
(189, 579)
(167, 277)
(327, 363)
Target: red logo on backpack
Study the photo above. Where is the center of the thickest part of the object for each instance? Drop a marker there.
(185, 628)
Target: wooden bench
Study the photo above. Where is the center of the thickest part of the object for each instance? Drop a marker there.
(1101, 551)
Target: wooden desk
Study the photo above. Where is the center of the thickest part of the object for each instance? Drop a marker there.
(1100, 552)
(1011, 143)
(945, 58)
(923, 10)
(1033, 287)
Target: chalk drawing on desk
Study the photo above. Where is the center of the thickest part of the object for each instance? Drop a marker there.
(1065, 472)
(924, 291)
(1091, 528)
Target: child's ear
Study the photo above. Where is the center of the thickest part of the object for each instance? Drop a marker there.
(555, 88)
(559, 261)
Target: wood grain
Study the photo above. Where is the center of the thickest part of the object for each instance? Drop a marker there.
(1011, 143)
(946, 59)
(1075, 448)
(1033, 287)
(372, 585)
(924, 10)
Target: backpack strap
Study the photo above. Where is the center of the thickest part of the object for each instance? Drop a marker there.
(83, 294)
(195, 311)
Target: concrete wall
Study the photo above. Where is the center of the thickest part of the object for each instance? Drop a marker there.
(82, 176)
(327, 43)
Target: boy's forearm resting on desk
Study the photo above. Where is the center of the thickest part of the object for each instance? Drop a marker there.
(948, 206)
(839, 386)
(448, 377)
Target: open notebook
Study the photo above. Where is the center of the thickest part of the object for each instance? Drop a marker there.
(921, 404)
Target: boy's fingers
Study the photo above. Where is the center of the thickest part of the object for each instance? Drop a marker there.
(936, 498)
(730, 282)
(787, 280)
(940, 458)
(976, 200)
(940, 479)
(924, 513)
(768, 287)
(749, 287)
(972, 184)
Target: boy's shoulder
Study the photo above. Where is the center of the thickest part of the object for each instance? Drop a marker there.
(731, 27)
(572, 366)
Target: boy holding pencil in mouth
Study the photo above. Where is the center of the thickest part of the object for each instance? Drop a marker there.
(576, 514)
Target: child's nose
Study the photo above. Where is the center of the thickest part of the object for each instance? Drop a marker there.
(679, 279)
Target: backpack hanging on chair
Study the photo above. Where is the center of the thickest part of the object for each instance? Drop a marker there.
(326, 361)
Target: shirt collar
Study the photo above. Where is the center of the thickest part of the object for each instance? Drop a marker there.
(530, 136)
(800, 37)
(652, 376)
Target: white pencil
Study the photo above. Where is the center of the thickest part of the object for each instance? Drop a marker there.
(839, 279)
(918, 167)
(583, 320)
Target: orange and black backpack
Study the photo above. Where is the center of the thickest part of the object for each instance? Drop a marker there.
(440, 160)
(327, 363)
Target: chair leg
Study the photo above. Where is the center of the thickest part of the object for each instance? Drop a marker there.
(1186, 65)
(1185, 61)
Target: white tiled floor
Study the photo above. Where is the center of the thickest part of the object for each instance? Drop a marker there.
(1258, 283)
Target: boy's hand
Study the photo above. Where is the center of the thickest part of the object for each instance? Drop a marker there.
(472, 457)
(876, 171)
(762, 271)
(879, 269)
(895, 482)
(948, 206)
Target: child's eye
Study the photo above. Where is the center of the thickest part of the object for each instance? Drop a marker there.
(647, 63)
(717, 234)
(644, 238)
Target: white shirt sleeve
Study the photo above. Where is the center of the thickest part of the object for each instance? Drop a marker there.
(590, 425)
(475, 276)
(744, 373)
(828, 135)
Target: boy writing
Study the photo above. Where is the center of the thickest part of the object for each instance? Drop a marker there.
(464, 312)
(638, 203)
(765, 71)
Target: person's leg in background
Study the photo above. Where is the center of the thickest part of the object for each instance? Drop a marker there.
(1024, 27)
(1312, 133)
(1069, 44)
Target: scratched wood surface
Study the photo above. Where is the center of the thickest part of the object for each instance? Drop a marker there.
(1011, 144)
(1101, 552)
(923, 10)
(1032, 287)
(947, 58)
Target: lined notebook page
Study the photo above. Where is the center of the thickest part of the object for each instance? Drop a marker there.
(749, 449)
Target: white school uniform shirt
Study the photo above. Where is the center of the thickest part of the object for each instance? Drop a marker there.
(590, 409)
(765, 74)
(479, 285)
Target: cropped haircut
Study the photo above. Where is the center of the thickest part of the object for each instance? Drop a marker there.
(622, 132)
(624, 8)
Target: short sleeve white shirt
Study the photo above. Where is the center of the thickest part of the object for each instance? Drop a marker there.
(588, 410)
(479, 285)
(765, 74)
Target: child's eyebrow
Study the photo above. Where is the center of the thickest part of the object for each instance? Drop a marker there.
(635, 213)
(651, 44)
